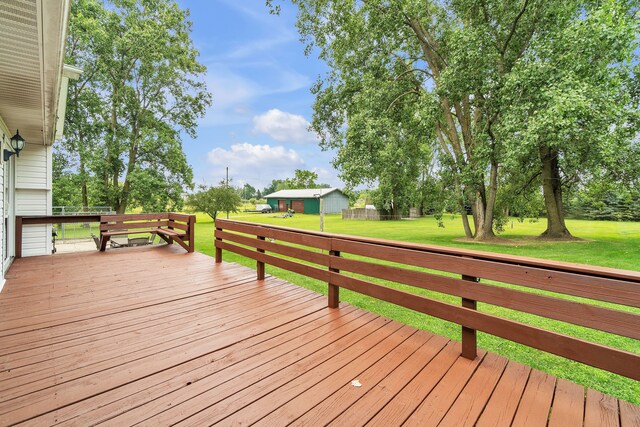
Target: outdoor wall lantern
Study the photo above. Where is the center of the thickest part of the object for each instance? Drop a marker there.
(17, 144)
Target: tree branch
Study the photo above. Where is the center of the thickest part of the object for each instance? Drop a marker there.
(402, 95)
(528, 183)
(514, 26)
(404, 73)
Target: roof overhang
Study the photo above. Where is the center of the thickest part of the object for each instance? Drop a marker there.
(306, 193)
(32, 39)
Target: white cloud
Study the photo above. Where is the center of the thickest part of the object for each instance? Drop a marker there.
(234, 94)
(255, 47)
(284, 127)
(255, 164)
(230, 89)
(247, 155)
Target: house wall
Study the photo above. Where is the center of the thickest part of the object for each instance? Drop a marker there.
(3, 131)
(33, 196)
(1, 218)
(311, 206)
(335, 202)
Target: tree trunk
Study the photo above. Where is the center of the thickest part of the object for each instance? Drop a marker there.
(552, 191)
(112, 156)
(463, 211)
(83, 179)
(133, 157)
(465, 223)
(484, 226)
(482, 208)
(83, 172)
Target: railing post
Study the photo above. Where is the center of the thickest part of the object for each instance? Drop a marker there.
(469, 338)
(18, 248)
(218, 249)
(192, 233)
(260, 264)
(334, 291)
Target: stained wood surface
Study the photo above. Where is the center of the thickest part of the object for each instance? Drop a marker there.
(158, 336)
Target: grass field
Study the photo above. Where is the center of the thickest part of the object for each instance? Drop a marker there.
(611, 244)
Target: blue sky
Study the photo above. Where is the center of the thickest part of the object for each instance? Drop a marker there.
(260, 80)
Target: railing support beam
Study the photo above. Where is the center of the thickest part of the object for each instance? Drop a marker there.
(469, 336)
(18, 232)
(260, 264)
(191, 233)
(218, 249)
(334, 291)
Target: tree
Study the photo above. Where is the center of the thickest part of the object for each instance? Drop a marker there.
(212, 200)
(65, 191)
(145, 73)
(272, 187)
(571, 104)
(384, 152)
(447, 66)
(442, 63)
(248, 192)
(84, 123)
(302, 179)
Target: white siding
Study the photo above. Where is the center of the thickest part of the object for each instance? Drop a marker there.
(33, 196)
(36, 239)
(31, 202)
(32, 167)
(1, 221)
(4, 131)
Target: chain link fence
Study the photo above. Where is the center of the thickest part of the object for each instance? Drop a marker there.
(74, 232)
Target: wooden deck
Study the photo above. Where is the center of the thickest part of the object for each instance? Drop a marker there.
(158, 336)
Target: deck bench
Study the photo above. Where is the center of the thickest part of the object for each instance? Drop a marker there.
(171, 227)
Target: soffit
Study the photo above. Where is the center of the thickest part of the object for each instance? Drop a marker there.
(32, 36)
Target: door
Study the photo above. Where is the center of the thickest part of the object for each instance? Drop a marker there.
(282, 205)
(297, 206)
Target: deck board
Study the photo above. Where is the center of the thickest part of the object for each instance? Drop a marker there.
(156, 336)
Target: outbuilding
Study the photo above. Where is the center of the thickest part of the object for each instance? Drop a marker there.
(308, 200)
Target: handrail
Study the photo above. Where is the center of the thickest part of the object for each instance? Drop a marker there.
(273, 245)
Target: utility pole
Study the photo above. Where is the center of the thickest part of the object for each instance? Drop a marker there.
(321, 214)
(321, 201)
(227, 185)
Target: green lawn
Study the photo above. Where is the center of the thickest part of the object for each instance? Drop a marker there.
(605, 243)
(610, 244)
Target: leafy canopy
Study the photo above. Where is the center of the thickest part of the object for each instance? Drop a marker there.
(212, 200)
(142, 88)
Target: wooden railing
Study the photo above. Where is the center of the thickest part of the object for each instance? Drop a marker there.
(185, 225)
(47, 219)
(170, 226)
(336, 258)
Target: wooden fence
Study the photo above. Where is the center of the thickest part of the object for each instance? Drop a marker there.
(335, 259)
